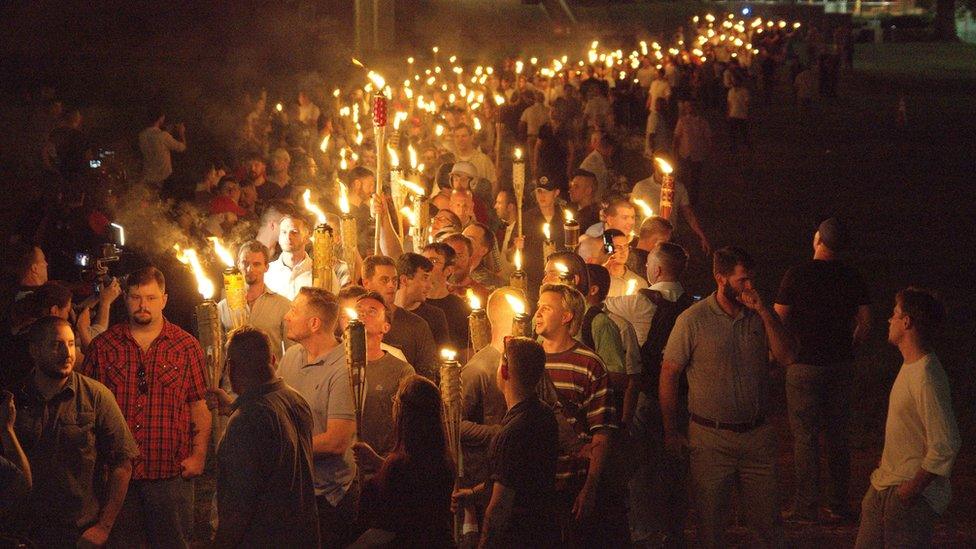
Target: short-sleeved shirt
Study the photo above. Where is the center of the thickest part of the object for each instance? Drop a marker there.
(156, 146)
(583, 388)
(323, 381)
(523, 458)
(411, 334)
(66, 439)
(483, 410)
(159, 418)
(639, 310)
(727, 360)
(383, 377)
(436, 321)
(823, 297)
(267, 313)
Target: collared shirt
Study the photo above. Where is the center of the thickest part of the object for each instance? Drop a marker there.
(156, 145)
(264, 462)
(727, 361)
(618, 284)
(287, 281)
(323, 381)
(175, 375)
(64, 437)
(920, 431)
(266, 313)
(639, 310)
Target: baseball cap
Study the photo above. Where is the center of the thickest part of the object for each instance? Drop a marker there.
(833, 233)
(546, 184)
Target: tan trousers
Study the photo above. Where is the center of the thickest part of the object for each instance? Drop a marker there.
(721, 460)
(887, 522)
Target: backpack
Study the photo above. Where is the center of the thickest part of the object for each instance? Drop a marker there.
(665, 315)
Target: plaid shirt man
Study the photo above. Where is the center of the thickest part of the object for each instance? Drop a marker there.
(153, 389)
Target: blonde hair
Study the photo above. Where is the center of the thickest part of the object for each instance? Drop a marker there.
(572, 300)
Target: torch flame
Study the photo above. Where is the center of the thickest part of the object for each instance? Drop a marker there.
(568, 215)
(663, 164)
(376, 79)
(545, 231)
(473, 300)
(412, 152)
(448, 354)
(394, 157)
(223, 253)
(279, 107)
(313, 208)
(517, 305)
(398, 119)
(561, 267)
(409, 214)
(325, 143)
(412, 187)
(499, 99)
(351, 313)
(518, 153)
(517, 259)
(632, 286)
(343, 199)
(644, 206)
(189, 257)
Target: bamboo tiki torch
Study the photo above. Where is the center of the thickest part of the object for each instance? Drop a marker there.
(478, 325)
(521, 322)
(355, 346)
(667, 187)
(451, 395)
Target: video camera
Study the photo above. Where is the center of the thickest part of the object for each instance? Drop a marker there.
(95, 270)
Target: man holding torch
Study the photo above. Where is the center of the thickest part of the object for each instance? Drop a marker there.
(158, 376)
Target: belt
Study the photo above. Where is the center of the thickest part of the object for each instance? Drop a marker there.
(734, 427)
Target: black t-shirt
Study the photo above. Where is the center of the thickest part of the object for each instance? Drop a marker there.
(456, 311)
(523, 458)
(823, 297)
(554, 145)
(437, 320)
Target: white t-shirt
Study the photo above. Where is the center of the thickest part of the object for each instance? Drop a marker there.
(156, 145)
(482, 164)
(920, 431)
(739, 103)
(595, 164)
(659, 88)
(639, 310)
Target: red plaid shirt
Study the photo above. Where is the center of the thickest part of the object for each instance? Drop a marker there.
(159, 418)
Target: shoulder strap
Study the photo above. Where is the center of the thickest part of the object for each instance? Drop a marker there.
(587, 332)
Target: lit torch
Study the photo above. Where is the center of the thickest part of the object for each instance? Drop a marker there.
(548, 246)
(562, 273)
(571, 230)
(322, 273)
(518, 184)
(521, 323)
(477, 323)
(451, 395)
(667, 187)
(234, 290)
(209, 330)
(518, 278)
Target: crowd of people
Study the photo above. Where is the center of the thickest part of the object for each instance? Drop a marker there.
(603, 400)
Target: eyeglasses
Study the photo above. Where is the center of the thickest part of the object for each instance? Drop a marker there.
(143, 383)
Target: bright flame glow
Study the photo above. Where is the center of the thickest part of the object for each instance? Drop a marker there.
(279, 107)
(223, 253)
(663, 164)
(343, 199)
(545, 231)
(517, 259)
(518, 154)
(499, 99)
(313, 208)
(351, 313)
(412, 152)
(568, 215)
(517, 305)
(644, 206)
(412, 187)
(394, 157)
(376, 79)
(325, 143)
(473, 300)
(448, 355)
(189, 257)
(631, 286)
(561, 267)
(408, 212)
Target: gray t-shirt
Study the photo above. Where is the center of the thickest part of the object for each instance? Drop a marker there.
(383, 377)
(484, 408)
(727, 361)
(323, 381)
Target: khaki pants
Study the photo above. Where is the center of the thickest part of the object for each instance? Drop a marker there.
(887, 522)
(721, 459)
